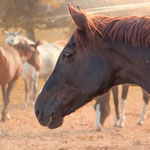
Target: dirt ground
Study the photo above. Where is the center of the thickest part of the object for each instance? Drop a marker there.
(23, 132)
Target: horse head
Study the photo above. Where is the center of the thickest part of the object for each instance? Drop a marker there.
(11, 38)
(70, 85)
(35, 59)
(25, 46)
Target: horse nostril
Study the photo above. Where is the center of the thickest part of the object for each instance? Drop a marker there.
(38, 113)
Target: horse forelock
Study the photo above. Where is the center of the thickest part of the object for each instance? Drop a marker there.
(134, 31)
(22, 39)
(14, 39)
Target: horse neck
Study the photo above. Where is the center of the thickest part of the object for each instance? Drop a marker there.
(130, 65)
(24, 52)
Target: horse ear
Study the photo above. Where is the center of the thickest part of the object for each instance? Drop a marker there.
(78, 7)
(17, 33)
(35, 45)
(7, 33)
(79, 17)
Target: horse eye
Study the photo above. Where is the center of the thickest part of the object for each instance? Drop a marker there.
(67, 56)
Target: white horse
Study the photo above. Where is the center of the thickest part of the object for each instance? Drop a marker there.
(49, 53)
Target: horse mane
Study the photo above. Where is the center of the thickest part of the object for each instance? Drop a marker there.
(23, 48)
(24, 39)
(134, 31)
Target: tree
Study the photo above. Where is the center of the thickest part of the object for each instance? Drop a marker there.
(22, 14)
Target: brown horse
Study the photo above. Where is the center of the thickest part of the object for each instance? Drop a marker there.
(102, 52)
(11, 59)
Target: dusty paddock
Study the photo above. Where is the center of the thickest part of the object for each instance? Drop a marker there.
(77, 132)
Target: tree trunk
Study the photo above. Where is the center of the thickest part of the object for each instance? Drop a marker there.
(30, 34)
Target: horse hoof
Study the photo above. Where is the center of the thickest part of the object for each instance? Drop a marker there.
(99, 128)
(139, 123)
(5, 118)
(115, 124)
(120, 125)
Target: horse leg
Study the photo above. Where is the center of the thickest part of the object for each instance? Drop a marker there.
(144, 108)
(4, 111)
(27, 84)
(7, 91)
(102, 110)
(116, 101)
(98, 126)
(123, 103)
(34, 85)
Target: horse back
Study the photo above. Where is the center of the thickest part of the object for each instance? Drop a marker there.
(61, 43)
(10, 64)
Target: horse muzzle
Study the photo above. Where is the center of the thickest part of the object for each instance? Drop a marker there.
(37, 67)
(51, 120)
(55, 121)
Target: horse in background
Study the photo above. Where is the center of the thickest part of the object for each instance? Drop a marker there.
(49, 53)
(102, 107)
(61, 43)
(11, 59)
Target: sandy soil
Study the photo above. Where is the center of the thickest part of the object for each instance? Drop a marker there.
(23, 132)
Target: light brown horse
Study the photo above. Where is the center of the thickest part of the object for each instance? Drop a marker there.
(11, 59)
